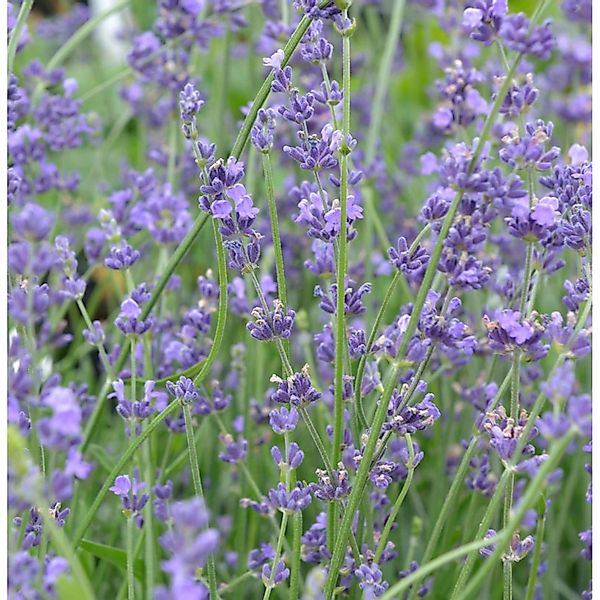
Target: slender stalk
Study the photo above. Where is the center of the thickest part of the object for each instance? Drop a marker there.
(514, 410)
(130, 559)
(381, 412)
(383, 80)
(99, 346)
(265, 88)
(64, 548)
(296, 552)
(528, 500)
(16, 34)
(389, 294)
(537, 553)
(183, 248)
(198, 489)
(269, 585)
(268, 171)
(498, 540)
(342, 260)
(398, 504)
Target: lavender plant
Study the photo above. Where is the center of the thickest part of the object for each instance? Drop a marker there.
(299, 300)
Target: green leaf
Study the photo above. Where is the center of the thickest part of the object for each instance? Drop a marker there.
(69, 588)
(102, 456)
(113, 555)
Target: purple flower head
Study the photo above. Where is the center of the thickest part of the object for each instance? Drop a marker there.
(518, 35)
(63, 428)
(371, 580)
(410, 419)
(190, 103)
(284, 420)
(133, 503)
(260, 556)
(274, 578)
(483, 19)
(129, 321)
(277, 324)
(32, 222)
(353, 304)
(301, 108)
(292, 461)
(189, 542)
(529, 150)
(135, 410)
(413, 264)
(332, 488)
(184, 390)
(234, 451)
(296, 390)
(263, 129)
(121, 257)
(317, 153)
(296, 500)
(509, 332)
(505, 432)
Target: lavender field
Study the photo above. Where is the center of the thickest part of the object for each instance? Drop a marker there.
(299, 299)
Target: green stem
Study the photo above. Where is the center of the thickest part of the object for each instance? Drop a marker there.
(527, 501)
(537, 553)
(340, 327)
(498, 540)
(269, 585)
(383, 80)
(381, 412)
(268, 171)
(64, 548)
(99, 346)
(198, 489)
(508, 499)
(296, 552)
(130, 548)
(149, 540)
(389, 294)
(16, 34)
(265, 88)
(398, 504)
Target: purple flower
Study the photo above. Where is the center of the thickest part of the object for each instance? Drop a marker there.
(283, 420)
(509, 332)
(189, 542)
(184, 390)
(353, 304)
(121, 257)
(296, 390)
(235, 451)
(371, 580)
(277, 324)
(296, 500)
(260, 556)
(274, 578)
(413, 264)
(63, 427)
(410, 419)
(292, 461)
(518, 35)
(129, 321)
(262, 131)
(132, 502)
